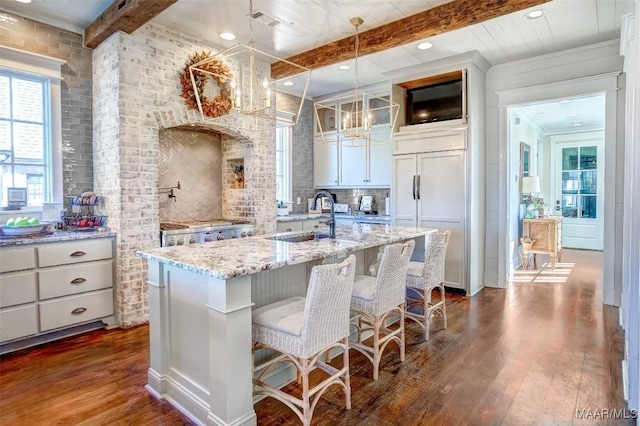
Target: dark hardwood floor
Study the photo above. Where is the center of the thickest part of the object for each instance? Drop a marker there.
(531, 354)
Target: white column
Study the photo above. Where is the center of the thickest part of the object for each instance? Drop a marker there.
(158, 331)
(230, 366)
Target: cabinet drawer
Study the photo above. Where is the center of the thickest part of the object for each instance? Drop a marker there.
(17, 259)
(294, 225)
(18, 322)
(315, 225)
(75, 309)
(66, 280)
(17, 288)
(74, 252)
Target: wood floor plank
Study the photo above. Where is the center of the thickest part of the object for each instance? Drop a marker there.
(531, 354)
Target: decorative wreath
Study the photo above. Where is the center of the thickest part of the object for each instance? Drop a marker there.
(220, 73)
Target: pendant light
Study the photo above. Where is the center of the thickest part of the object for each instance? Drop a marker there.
(362, 118)
(252, 90)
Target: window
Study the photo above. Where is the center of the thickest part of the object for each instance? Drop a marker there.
(24, 134)
(30, 126)
(283, 163)
(579, 176)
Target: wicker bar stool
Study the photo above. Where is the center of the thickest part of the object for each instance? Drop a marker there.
(423, 278)
(375, 298)
(302, 329)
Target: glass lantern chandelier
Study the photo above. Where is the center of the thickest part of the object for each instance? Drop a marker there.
(356, 113)
(251, 89)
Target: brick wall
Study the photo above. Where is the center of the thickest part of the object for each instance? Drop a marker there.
(142, 72)
(31, 36)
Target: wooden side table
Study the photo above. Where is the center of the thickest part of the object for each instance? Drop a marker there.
(543, 235)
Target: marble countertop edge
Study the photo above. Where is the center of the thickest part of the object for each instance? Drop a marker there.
(234, 258)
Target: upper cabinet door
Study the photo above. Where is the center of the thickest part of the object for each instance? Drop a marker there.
(380, 111)
(380, 161)
(353, 164)
(326, 120)
(325, 164)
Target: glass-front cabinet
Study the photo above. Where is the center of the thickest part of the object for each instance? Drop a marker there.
(342, 114)
(326, 120)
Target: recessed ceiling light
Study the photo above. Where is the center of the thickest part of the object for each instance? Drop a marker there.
(565, 101)
(23, 1)
(288, 83)
(227, 36)
(424, 46)
(577, 124)
(343, 67)
(573, 114)
(535, 14)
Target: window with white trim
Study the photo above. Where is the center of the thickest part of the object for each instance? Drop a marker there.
(283, 163)
(30, 126)
(25, 154)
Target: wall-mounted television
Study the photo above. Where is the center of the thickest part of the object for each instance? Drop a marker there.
(441, 101)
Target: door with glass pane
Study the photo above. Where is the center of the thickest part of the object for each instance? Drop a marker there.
(579, 193)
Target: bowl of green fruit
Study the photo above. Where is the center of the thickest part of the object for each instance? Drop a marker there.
(23, 226)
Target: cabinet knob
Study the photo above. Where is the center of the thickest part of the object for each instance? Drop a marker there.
(78, 280)
(78, 311)
(336, 181)
(289, 230)
(77, 254)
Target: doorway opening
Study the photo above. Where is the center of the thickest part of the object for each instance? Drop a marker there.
(556, 165)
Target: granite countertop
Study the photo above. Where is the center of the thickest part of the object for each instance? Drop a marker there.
(295, 217)
(237, 257)
(6, 241)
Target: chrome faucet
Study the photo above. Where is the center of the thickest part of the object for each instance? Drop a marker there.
(331, 222)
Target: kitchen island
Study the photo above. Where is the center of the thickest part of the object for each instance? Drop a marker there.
(200, 302)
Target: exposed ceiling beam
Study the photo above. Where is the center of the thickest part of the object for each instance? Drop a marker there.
(444, 18)
(123, 15)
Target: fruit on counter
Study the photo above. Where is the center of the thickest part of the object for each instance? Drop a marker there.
(23, 221)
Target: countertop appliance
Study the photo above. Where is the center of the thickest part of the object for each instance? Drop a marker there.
(201, 231)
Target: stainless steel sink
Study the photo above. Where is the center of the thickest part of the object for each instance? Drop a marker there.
(300, 238)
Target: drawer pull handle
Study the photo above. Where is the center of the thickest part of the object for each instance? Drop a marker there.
(78, 280)
(77, 254)
(78, 311)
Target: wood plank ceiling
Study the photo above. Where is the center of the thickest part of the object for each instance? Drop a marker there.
(444, 18)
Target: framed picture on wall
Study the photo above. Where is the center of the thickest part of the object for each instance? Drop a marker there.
(525, 163)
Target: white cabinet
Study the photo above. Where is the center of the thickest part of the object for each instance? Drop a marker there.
(315, 225)
(325, 164)
(288, 226)
(356, 165)
(303, 225)
(428, 190)
(362, 165)
(53, 286)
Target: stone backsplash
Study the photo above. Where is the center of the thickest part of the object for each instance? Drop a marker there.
(352, 197)
(194, 159)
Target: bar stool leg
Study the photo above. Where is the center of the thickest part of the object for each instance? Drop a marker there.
(347, 380)
(306, 414)
(376, 349)
(444, 306)
(402, 341)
